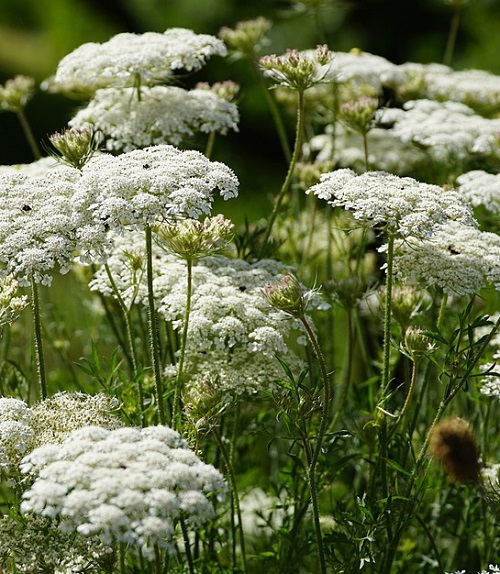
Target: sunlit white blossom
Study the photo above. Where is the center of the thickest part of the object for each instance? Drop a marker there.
(360, 68)
(16, 432)
(406, 206)
(457, 258)
(129, 485)
(163, 114)
(145, 186)
(133, 59)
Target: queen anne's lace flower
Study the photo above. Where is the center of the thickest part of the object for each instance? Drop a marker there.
(40, 230)
(362, 68)
(145, 186)
(161, 115)
(449, 131)
(133, 59)
(457, 258)
(129, 485)
(481, 188)
(406, 206)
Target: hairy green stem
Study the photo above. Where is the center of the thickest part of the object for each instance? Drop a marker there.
(289, 176)
(38, 339)
(154, 344)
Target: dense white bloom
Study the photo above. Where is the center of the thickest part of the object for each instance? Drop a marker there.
(34, 169)
(161, 115)
(130, 485)
(134, 59)
(406, 206)
(39, 227)
(16, 432)
(449, 131)
(457, 258)
(481, 188)
(145, 186)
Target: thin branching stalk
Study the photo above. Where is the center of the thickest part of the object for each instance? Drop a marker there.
(234, 488)
(176, 408)
(210, 145)
(132, 353)
(452, 36)
(187, 546)
(38, 339)
(409, 396)
(325, 419)
(365, 150)
(289, 176)
(275, 113)
(154, 344)
(28, 134)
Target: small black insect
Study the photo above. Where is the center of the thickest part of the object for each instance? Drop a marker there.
(26, 208)
(452, 250)
(146, 166)
(242, 288)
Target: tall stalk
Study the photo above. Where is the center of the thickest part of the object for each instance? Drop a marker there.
(38, 339)
(289, 176)
(176, 410)
(154, 343)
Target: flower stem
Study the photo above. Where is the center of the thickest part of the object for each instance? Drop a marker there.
(176, 410)
(38, 340)
(234, 488)
(289, 176)
(28, 133)
(154, 344)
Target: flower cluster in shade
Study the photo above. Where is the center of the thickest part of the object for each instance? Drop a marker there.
(163, 114)
(233, 333)
(128, 60)
(406, 206)
(47, 219)
(492, 569)
(23, 428)
(130, 485)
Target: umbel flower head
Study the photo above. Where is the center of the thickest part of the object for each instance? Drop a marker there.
(129, 485)
(152, 185)
(406, 206)
(299, 71)
(247, 37)
(163, 114)
(16, 432)
(453, 443)
(75, 146)
(133, 60)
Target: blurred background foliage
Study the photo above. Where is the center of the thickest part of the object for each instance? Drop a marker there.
(35, 35)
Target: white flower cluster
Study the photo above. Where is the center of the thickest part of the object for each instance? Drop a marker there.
(481, 188)
(46, 220)
(457, 258)
(11, 304)
(129, 485)
(233, 333)
(144, 186)
(360, 68)
(163, 114)
(406, 206)
(492, 569)
(16, 432)
(39, 227)
(133, 59)
(449, 131)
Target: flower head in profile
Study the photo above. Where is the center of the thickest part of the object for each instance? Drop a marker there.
(192, 239)
(288, 295)
(16, 93)
(75, 146)
(128, 60)
(359, 114)
(299, 71)
(129, 485)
